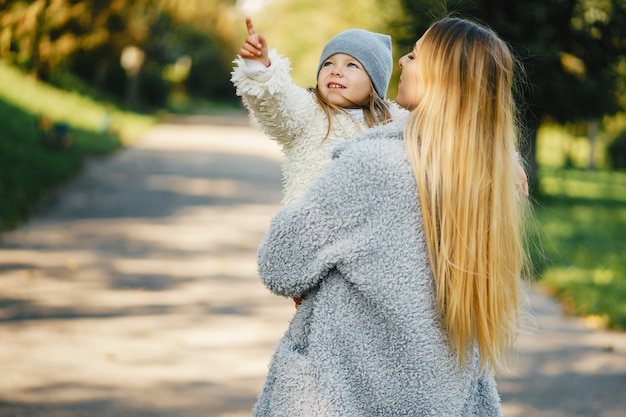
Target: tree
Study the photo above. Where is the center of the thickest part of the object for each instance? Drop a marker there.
(570, 50)
(86, 38)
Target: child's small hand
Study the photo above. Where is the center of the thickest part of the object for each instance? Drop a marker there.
(298, 300)
(255, 46)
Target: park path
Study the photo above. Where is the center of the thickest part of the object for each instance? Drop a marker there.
(134, 293)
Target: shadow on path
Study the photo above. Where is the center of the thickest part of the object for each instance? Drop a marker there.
(565, 368)
(134, 293)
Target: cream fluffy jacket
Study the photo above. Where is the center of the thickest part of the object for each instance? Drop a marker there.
(290, 115)
(366, 341)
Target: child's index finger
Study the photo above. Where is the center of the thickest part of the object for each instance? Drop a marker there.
(250, 26)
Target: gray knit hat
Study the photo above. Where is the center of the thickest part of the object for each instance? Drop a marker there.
(372, 50)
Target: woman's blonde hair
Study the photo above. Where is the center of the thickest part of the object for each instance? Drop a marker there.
(375, 112)
(462, 140)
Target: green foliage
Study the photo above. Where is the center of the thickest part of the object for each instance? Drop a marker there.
(30, 171)
(559, 146)
(87, 38)
(582, 233)
(209, 74)
(571, 54)
(617, 152)
(581, 220)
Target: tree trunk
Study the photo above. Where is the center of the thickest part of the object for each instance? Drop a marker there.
(37, 66)
(592, 135)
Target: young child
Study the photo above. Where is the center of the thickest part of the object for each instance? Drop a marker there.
(352, 79)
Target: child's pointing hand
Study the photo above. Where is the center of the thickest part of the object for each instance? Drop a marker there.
(255, 46)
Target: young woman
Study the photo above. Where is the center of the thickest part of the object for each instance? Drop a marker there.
(408, 248)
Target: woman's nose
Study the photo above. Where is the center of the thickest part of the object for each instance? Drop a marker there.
(400, 62)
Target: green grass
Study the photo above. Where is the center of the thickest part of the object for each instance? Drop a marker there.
(582, 234)
(182, 103)
(78, 110)
(581, 220)
(30, 172)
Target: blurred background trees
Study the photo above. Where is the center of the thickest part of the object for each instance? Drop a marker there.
(573, 52)
(186, 45)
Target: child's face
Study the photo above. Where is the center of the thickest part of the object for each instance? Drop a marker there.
(344, 82)
(411, 85)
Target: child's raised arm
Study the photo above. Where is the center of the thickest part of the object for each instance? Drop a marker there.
(255, 47)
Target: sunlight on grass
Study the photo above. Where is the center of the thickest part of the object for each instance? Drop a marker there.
(552, 143)
(583, 184)
(595, 292)
(71, 107)
(584, 189)
(46, 136)
(582, 225)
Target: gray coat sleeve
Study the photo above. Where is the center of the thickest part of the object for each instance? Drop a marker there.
(308, 239)
(305, 239)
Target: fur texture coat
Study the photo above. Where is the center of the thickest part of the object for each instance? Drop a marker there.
(290, 115)
(366, 341)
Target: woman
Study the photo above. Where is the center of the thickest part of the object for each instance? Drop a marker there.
(410, 297)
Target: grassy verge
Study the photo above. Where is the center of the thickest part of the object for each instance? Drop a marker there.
(30, 171)
(582, 227)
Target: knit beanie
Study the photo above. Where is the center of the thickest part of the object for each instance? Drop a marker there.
(372, 50)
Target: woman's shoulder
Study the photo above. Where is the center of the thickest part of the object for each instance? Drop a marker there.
(375, 140)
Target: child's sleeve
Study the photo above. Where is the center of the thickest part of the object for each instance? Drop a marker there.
(282, 108)
(255, 69)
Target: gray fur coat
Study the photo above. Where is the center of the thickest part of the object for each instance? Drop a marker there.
(366, 340)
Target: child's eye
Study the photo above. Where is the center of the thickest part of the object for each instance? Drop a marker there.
(353, 65)
(327, 64)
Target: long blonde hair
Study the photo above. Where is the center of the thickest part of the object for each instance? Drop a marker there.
(461, 139)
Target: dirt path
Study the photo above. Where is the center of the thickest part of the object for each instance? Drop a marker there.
(135, 294)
